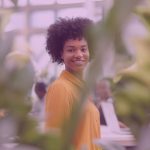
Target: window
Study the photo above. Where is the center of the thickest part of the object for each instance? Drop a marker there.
(39, 54)
(22, 2)
(37, 43)
(17, 21)
(20, 43)
(8, 3)
(41, 2)
(32, 17)
(69, 1)
(42, 19)
(73, 12)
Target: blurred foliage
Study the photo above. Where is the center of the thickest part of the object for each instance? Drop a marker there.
(133, 88)
(4, 18)
(144, 13)
(131, 91)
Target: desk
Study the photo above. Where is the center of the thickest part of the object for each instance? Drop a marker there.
(125, 139)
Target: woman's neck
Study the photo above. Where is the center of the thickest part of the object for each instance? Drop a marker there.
(79, 75)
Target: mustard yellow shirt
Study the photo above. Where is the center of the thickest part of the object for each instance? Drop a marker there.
(60, 98)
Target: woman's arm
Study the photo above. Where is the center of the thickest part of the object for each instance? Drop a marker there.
(57, 106)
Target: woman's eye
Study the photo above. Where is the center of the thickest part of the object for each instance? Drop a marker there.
(83, 49)
(70, 50)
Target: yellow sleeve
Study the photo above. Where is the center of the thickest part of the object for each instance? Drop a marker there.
(57, 106)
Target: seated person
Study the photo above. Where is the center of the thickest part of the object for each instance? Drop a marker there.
(38, 106)
(103, 94)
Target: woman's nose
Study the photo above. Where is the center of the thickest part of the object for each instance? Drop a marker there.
(78, 53)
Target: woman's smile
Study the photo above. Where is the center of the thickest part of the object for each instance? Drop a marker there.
(79, 62)
(75, 55)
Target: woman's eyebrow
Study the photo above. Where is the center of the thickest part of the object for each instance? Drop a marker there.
(71, 46)
(83, 45)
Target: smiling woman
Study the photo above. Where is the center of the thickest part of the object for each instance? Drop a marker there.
(75, 56)
(68, 45)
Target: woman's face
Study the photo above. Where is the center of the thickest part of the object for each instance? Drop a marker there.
(75, 55)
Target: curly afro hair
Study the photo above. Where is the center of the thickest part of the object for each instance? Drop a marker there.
(61, 31)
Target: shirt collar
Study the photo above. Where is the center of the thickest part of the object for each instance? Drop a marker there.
(72, 78)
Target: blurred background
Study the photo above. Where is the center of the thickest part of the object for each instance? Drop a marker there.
(125, 29)
(31, 18)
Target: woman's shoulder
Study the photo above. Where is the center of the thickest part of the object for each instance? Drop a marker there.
(58, 84)
(58, 89)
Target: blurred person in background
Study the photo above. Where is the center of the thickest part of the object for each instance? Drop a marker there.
(38, 105)
(2, 113)
(103, 93)
(67, 44)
